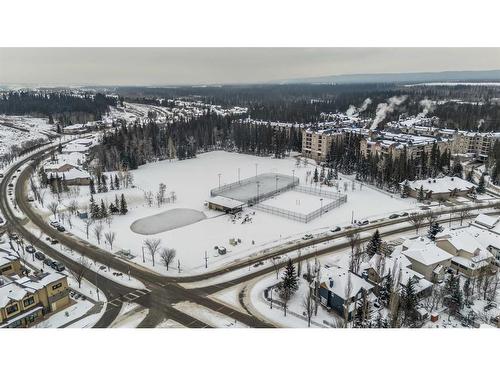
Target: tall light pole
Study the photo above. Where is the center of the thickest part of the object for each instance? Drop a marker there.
(293, 175)
(321, 210)
(277, 178)
(219, 178)
(256, 165)
(238, 175)
(258, 186)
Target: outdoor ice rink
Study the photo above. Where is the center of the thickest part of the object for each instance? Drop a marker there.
(297, 202)
(261, 186)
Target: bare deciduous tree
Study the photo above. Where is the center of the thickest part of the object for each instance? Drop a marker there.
(153, 246)
(277, 263)
(308, 304)
(167, 256)
(80, 270)
(464, 215)
(148, 198)
(88, 224)
(110, 237)
(98, 232)
(73, 206)
(417, 221)
(53, 207)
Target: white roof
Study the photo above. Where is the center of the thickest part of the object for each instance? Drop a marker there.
(10, 291)
(470, 239)
(226, 202)
(486, 220)
(424, 251)
(340, 277)
(441, 185)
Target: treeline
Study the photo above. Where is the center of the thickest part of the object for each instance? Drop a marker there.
(304, 103)
(64, 107)
(137, 144)
(386, 171)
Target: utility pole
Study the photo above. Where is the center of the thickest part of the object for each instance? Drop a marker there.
(219, 179)
(256, 165)
(238, 175)
(321, 210)
(143, 259)
(206, 260)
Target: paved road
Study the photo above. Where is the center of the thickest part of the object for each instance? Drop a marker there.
(165, 291)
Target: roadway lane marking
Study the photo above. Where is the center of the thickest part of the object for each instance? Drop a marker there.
(132, 294)
(141, 292)
(113, 304)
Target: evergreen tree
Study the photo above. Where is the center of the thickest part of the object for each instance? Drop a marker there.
(457, 169)
(104, 184)
(92, 186)
(117, 183)
(315, 177)
(374, 246)
(123, 205)
(94, 209)
(434, 229)
(290, 278)
(409, 302)
(480, 186)
(103, 212)
(421, 195)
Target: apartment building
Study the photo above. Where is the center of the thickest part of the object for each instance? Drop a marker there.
(316, 144)
(474, 143)
(386, 143)
(25, 300)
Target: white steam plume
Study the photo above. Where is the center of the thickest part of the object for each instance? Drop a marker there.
(480, 124)
(428, 107)
(352, 110)
(384, 108)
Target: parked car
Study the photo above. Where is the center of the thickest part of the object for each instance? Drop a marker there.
(307, 237)
(30, 249)
(336, 229)
(54, 224)
(404, 214)
(58, 266)
(394, 216)
(39, 255)
(11, 185)
(363, 222)
(60, 228)
(48, 261)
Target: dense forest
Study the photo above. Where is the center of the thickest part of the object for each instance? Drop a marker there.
(459, 107)
(136, 144)
(63, 107)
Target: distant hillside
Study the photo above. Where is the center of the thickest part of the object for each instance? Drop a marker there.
(455, 76)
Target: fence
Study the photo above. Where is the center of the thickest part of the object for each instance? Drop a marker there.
(255, 189)
(338, 199)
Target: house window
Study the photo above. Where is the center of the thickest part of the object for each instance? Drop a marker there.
(29, 301)
(57, 286)
(11, 309)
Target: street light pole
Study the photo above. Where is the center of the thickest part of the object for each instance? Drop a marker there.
(256, 165)
(321, 210)
(258, 185)
(219, 179)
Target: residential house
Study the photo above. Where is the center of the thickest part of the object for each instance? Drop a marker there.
(439, 188)
(426, 258)
(25, 300)
(339, 288)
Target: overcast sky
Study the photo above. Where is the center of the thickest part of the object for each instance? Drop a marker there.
(175, 66)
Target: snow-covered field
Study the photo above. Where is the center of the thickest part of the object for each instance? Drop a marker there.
(297, 202)
(14, 130)
(192, 180)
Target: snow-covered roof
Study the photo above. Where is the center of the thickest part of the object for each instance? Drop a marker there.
(10, 291)
(225, 202)
(470, 239)
(424, 251)
(441, 185)
(486, 220)
(340, 277)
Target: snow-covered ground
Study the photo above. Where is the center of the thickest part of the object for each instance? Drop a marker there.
(210, 317)
(192, 180)
(14, 130)
(130, 316)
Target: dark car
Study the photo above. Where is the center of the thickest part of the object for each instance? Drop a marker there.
(30, 249)
(58, 266)
(60, 228)
(39, 255)
(53, 241)
(404, 214)
(48, 261)
(336, 229)
(394, 216)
